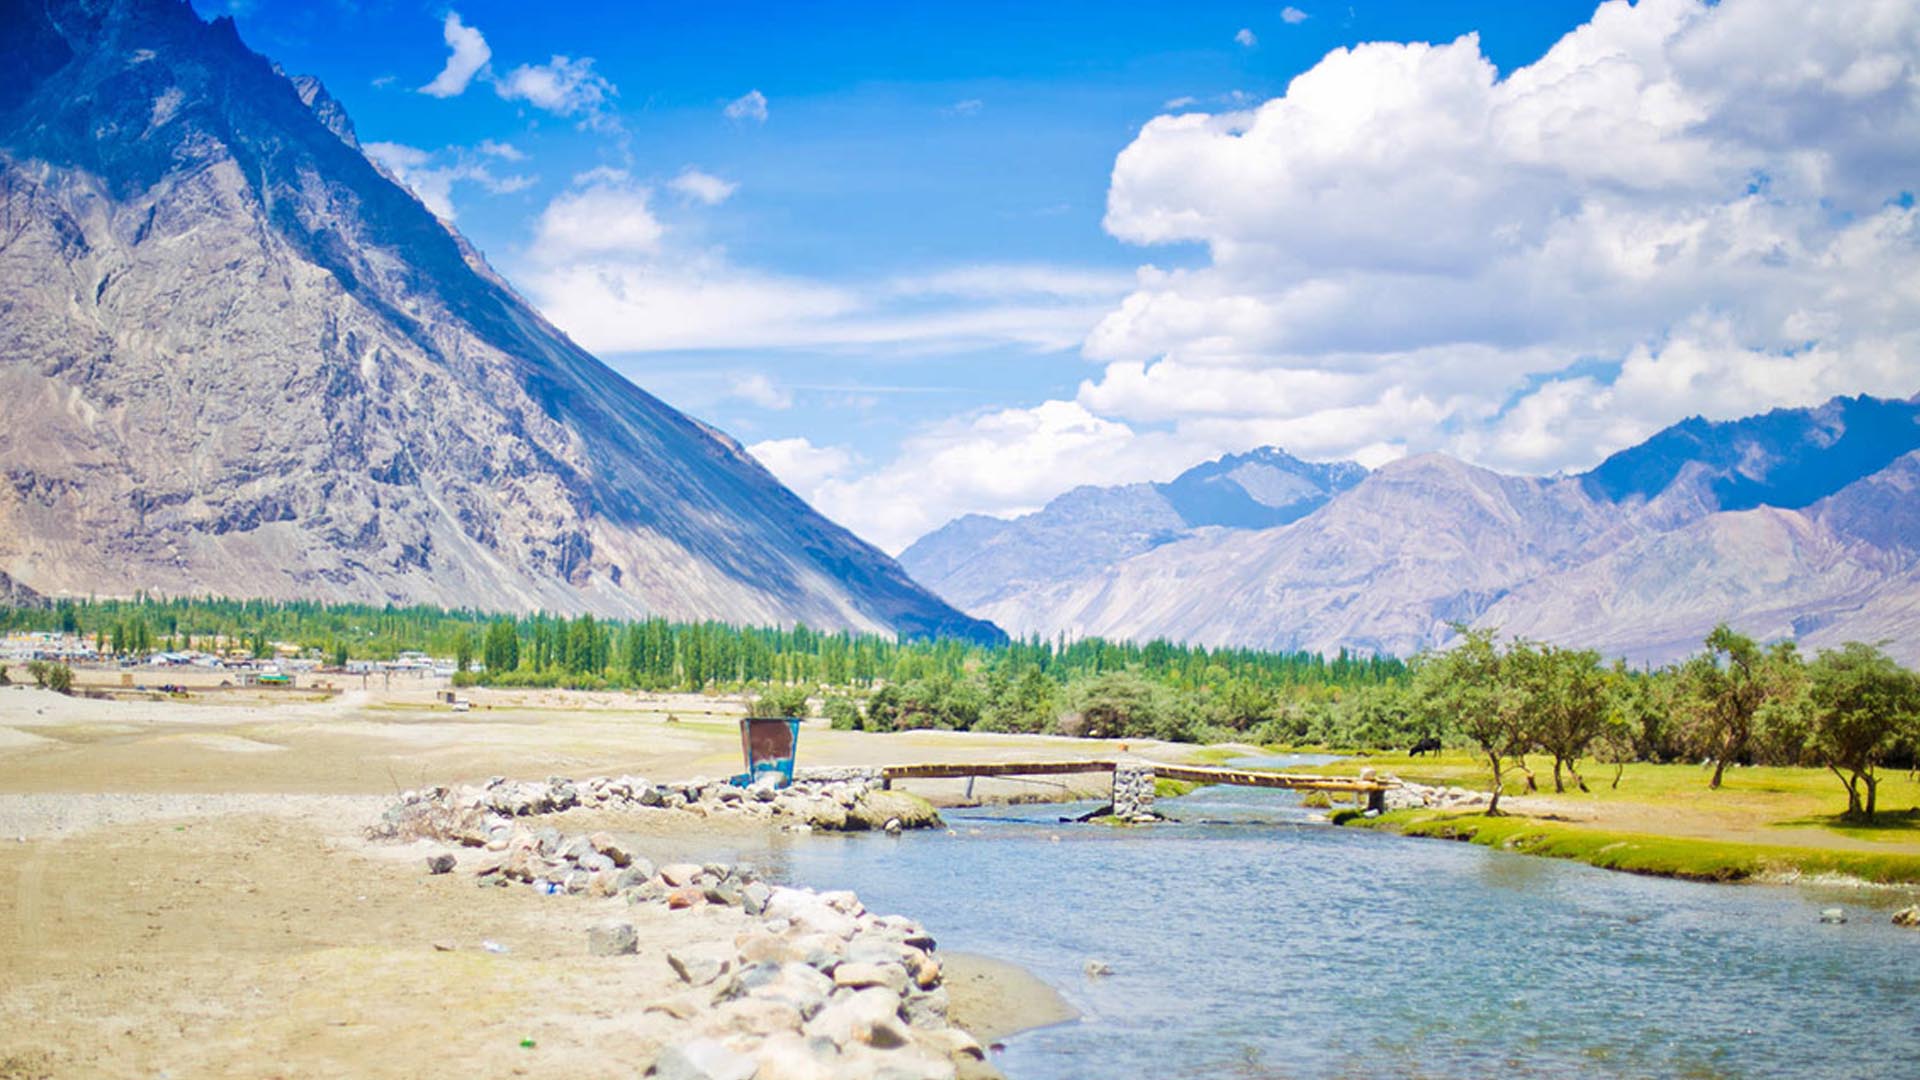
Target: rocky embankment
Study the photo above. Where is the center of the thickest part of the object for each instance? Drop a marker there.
(1411, 796)
(816, 987)
(839, 800)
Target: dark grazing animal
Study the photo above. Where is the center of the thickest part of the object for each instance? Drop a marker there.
(1425, 746)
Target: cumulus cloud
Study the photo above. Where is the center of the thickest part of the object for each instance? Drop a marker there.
(1004, 462)
(1246, 38)
(801, 465)
(432, 174)
(469, 53)
(751, 105)
(1293, 16)
(1708, 199)
(1681, 208)
(607, 215)
(704, 188)
(562, 86)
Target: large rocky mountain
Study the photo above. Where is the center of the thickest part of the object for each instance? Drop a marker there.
(976, 560)
(236, 358)
(1802, 523)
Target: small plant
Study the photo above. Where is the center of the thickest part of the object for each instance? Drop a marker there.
(779, 701)
(843, 712)
(3, 675)
(55, 677)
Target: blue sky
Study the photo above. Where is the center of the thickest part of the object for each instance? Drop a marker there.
(879, 242)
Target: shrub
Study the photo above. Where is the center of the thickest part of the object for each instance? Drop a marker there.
(778, 701)
(55, 677)
(843, 712)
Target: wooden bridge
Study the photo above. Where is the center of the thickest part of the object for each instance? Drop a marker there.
(1133, 780)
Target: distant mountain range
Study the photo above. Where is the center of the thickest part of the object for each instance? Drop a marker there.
(237, 358)
(1800, 523)
(976, 560)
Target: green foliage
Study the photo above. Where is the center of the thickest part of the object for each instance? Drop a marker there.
(843, 712)
(941, 702)
(51, 676)
(1723, 690)
(1864, 707)
(780, 701)
(3, 675)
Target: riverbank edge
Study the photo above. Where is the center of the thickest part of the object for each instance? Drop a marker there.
(1650, 854)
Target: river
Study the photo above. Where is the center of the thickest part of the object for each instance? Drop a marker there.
(1251, 941)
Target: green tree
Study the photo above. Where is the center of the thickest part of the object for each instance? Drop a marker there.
(1121, 705)
(780, 701)
(842, 712)
(501, 649)
(339, 653)
(1723, 690)
(1471, 688)
(462, 651)
(1565, 700)
(1864, 709)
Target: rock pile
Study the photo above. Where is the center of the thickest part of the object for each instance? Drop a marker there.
(1410, 796)
(816, 987)
(473, 815)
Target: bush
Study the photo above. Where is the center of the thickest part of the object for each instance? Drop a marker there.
(843, 712)
(3, 674)
(55, 677)
(780, 701)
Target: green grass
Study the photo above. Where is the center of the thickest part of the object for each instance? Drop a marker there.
(1662, 856)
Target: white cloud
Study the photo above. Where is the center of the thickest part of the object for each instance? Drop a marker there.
(751, 105)
(1293, 16)
(801, 465)
(757, 389)
(562, 86)
(431, 175)
(1704, 196)
(1246, 38)
(605, 217)
(607, 269)
(966, 107)
(1682, 208)
(469, 54)
(502, 150)
(1006, 462)
(703, 187)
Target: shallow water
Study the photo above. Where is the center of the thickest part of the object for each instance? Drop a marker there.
(1250, 941)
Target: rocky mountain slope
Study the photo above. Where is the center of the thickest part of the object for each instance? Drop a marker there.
(236, 358)
(1801, 523)
(977, 560)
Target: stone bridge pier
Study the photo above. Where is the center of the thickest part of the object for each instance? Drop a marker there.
(1132, 791)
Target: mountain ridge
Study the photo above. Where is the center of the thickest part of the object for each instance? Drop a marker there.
(243, 358)
(1639, 569)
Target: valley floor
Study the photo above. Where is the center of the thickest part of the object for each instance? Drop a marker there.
(188, 890)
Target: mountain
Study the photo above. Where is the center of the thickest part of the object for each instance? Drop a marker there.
(238, 359)
(1787, 458)
(1803, 523)
(976, 561)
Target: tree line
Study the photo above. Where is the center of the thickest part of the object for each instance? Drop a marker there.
(935, 680)
(1851, 710)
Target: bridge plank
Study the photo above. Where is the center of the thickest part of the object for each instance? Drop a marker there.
(1200, 774)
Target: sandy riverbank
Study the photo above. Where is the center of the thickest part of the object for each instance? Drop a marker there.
(191, 894)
